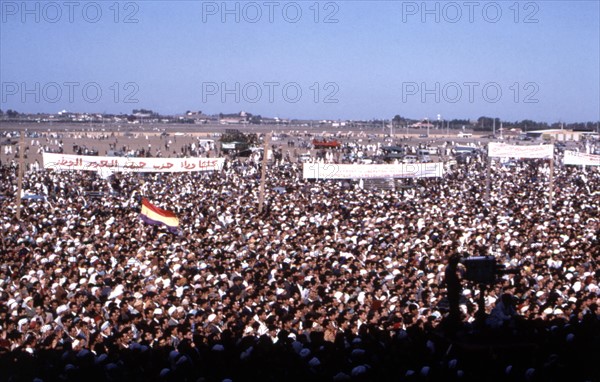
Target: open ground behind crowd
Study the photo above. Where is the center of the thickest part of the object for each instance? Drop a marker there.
(329, 282)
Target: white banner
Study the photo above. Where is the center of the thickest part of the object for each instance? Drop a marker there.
(107, 165)
(581, 159)
(502, 150)
(372, 171)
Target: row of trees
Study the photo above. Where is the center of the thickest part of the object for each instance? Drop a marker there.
(487, 124)
(9, 113)
(481, 124)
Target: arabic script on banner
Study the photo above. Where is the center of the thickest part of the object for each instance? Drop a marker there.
(581, 159)
(64, 162)
(372, 171)
(502, 150)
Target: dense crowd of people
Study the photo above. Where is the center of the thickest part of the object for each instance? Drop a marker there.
(328, 282)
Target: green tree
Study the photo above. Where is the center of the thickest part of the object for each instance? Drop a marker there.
(399, 120)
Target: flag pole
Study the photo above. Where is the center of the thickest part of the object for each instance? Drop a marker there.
(263, 175)
(20, 176)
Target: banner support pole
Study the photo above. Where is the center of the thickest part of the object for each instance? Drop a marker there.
(487, 178)
(20, 176)
(263, 175)
(551, 184)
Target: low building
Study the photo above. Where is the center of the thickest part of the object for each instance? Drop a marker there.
(555, 135)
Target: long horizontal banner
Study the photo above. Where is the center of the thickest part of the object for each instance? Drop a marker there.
(581, 159)
(502, 150)
(64, 162)
(372, 171)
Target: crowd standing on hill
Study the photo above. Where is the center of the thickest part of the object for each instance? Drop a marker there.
(328, 282)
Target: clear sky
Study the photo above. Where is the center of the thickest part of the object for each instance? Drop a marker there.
(305, 59)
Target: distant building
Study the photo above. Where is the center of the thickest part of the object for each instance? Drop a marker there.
(232, 120)
(424, 124)
(274, 121)
(200, 118)
(555, 135)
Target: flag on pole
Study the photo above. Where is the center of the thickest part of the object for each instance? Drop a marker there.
(154, 215)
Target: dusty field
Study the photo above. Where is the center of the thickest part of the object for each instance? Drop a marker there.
(101, 138)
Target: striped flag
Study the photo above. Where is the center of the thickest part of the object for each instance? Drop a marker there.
(154, 215)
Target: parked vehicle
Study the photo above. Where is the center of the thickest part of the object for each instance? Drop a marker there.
(394, 149)
(410, 159)
(393, 156)
(325, 144)
(464, 150)
(427, 151)
(303, 158)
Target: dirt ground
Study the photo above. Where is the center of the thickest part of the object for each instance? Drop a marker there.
(51, 137)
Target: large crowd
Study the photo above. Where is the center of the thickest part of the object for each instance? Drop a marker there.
(329, 282)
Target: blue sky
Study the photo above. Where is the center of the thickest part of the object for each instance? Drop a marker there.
(305, 59)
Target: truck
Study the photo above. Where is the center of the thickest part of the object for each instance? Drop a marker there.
(325, 144)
